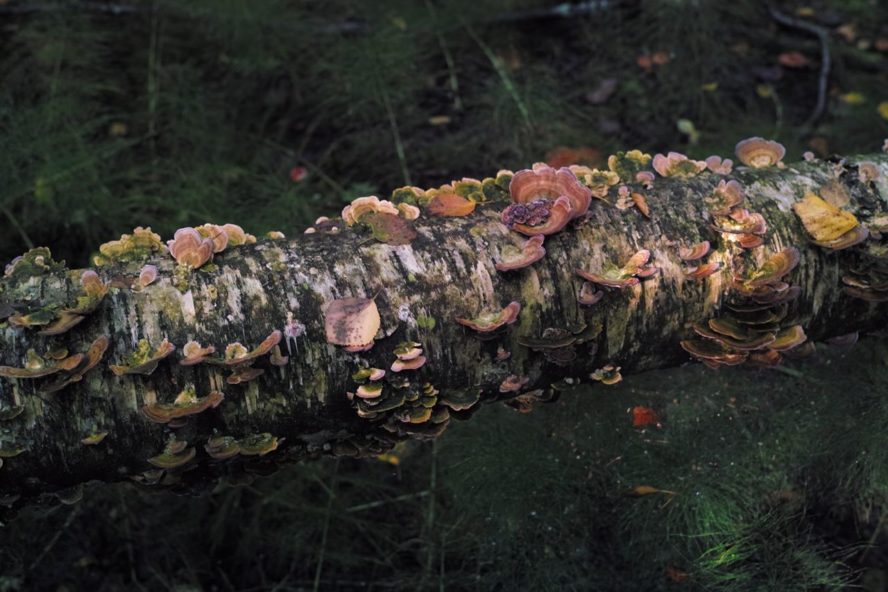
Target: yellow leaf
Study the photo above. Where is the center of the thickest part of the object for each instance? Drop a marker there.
(853, 98)
(764, 91)
(710, 87)
(883, 109)
(822, 220)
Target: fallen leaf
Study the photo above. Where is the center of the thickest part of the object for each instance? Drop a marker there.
(644, 416)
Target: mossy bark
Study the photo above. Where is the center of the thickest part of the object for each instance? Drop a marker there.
(447, 272)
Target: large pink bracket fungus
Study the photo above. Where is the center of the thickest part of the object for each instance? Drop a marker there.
(537, 204)
(352, 323)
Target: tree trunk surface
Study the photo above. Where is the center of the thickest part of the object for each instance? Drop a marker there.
(419, 289)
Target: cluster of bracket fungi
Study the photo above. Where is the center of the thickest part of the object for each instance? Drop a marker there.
(758, 325)
(127, 258)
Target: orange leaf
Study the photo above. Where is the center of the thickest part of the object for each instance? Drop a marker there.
(644, 416)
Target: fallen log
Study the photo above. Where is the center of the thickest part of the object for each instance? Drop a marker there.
(233, 357)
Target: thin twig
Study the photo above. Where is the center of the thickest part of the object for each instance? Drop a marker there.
(825, 60)
(563, 10)
(376, 504)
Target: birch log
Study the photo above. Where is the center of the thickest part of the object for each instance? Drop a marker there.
(301, 409)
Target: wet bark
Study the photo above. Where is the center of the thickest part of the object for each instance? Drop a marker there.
(446, 272)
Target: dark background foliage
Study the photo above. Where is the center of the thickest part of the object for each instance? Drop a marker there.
(173, 113)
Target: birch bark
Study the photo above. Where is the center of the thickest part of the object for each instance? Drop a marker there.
(446, 272)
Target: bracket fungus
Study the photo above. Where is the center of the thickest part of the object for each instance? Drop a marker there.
(675, 164)
(67, 318)
(512, 257)
(242, 374)
(236, 235)
(215, 233)
(175, 454)
(238, 355)
(361, 206)
(588, 295)
(460, 399)
(189, 248)
(694, 252)
(133, 248)
(758, 153)
(147, 275)
(625, 276)
(186, 403)
(558, 344)
(869, 281)
(388, 223)
(641, 203)
(544, 200)
(538, 217)
(627, 165)
(258, 444)
(713, 353)
(753, 329)
(646, 178)
(741, 221)
(276, 357)
(34, 262)
(726, 196)
(608, 374)
(703, 270)
(409, 354)
(222, 447)
(37, 366)
(144, 359)
(513, 383)
(371, 374)
(599, 182)
(94, 438)
(491, 321)
(92, 357)
(193, 353)
(324, 225)
(718, 165)
(369, 391)
(352, 323)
